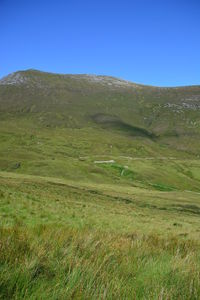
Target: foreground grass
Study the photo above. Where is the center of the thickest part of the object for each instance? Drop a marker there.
(61, 263)
(67, 240)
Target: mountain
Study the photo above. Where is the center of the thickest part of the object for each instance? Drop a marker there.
(79, 100)
(60, 124)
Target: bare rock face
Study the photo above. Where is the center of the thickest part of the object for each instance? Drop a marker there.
(103, 80)
(16, 78)
(107, 80)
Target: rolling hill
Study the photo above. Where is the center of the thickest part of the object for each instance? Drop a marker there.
(59, 125)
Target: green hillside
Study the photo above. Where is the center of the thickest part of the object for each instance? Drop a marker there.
(59, 125)
(99, 188)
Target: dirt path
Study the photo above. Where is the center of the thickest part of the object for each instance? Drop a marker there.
(126, 157)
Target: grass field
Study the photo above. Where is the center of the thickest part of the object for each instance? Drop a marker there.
(67, 240)
(99, 189)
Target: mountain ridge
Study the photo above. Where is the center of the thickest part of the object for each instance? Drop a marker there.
(88, 76)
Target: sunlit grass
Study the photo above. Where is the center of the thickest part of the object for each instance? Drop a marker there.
(48, 262)
(65, 240)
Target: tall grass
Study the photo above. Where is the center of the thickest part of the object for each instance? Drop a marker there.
(48, 262)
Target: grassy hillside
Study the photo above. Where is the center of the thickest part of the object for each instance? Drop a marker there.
(58, 125)
(65, 240)
(99, 188)
(77, 101)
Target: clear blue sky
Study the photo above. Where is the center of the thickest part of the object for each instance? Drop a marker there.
(147, 41)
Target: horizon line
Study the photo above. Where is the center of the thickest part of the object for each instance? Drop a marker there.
(102, 75)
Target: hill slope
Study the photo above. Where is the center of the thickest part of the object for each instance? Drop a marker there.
(79, 98)
(65, 125)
